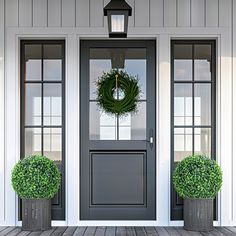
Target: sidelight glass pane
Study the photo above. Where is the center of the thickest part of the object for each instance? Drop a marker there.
(182, 62)
(33, 62)
(202, 62)
(183, 104)
(52, 105)
(52, 143)
(183, 143)
(202, 141)
(52, 63)
(202, 104)
(32, 104)
(33, 139)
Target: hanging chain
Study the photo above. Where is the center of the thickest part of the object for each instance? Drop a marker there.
(117, 91)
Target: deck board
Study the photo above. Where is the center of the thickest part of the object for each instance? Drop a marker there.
(79, 231)
(7, 230)
(110, 231)
(117, 231)
(100, 231)
(150, 231)
(90, 231)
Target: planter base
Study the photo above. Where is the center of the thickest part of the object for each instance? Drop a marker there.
(198, 214)
(36, 214)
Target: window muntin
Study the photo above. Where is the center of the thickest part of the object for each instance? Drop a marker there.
(42, 99)
(193, 99)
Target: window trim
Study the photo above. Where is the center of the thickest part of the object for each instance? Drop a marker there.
(63, 115)
(178, 216)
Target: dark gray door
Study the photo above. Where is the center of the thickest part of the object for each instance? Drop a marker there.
(117, 159)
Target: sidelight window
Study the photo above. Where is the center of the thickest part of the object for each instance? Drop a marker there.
(193, 101)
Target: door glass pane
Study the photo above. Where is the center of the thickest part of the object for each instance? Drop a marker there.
(52, 62)
(52, 105)
(33, 62)
(202, 104)
(33, 141)
(133, 126)
(52, 143)
(33, 104)
(97, 67)
(133, 61)
(110, 127)
(182, 62)
(202, 62)
(183, 104)
(183, 143)
(202, 141)
(102, 126)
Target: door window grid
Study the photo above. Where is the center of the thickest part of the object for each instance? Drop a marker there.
(118, 127)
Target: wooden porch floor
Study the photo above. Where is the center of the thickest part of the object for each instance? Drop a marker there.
(117, 231)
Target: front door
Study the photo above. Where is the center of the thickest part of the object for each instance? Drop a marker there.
(117, 158)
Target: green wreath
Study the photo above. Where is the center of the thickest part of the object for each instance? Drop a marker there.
(109, 84)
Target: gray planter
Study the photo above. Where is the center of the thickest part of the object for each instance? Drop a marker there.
(198, 214)
(36, 214)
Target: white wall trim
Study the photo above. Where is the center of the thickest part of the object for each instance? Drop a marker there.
(2, 109)
(163, 37)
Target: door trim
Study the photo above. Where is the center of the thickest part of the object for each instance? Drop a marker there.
(151, 96)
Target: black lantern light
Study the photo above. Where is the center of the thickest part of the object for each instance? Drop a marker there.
(117, 12)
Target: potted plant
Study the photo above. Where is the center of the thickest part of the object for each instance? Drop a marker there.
(197, 179)
(36, 179)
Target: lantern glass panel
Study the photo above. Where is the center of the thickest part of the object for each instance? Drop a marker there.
(117, 23)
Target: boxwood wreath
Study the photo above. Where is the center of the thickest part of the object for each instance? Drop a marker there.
(36, 177)
(197, 176)
(111, 83)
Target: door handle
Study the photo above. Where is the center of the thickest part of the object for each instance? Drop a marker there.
(151, 138)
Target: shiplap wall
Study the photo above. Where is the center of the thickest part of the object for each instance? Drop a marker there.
(146, 13)
(188, 14)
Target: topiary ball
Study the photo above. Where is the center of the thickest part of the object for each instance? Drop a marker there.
(36, 177)
(197, 176)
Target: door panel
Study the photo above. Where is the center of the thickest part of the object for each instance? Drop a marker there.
(117, 161)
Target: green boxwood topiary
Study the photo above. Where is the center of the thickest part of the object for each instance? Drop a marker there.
(197, 176)
(36, 177)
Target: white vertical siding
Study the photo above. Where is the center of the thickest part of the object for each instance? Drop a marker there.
(40, 13)
(225, 11)
(156, 13)
(68, 13)
(189, 16)
(25, 13)
(212, 16)
(183, 13)
(11, 13)
(234, 110)
(82, 16)
(146, 13)
(142, 13)
(169, 13)
(2, 136)
(54, 13)
(96, 13)
(198, 13)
